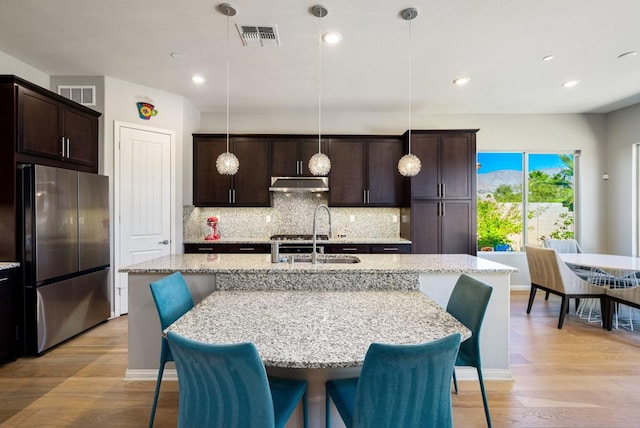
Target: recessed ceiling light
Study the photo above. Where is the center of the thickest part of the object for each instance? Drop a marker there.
(570, 83)
(175, 55)
(199, 80)
(332, 37)
(547, 58)
(461, 81)
(627, 54)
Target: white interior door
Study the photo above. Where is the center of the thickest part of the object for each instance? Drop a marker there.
(144, 195)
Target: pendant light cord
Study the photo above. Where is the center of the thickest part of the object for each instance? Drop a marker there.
(410, 85)
(319, 86)
(227, 54)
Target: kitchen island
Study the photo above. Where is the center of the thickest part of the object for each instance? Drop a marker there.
(433, 274)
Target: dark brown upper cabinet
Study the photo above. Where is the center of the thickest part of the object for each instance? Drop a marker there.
(448, 159)
(248, 188)
(54, 131)
(290, 155)
(364, 171)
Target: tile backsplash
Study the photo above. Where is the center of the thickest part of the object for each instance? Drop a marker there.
(292, 213)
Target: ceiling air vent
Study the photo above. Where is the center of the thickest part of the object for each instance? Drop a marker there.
(255, 35)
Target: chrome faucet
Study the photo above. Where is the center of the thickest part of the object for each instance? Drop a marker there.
(314, 254)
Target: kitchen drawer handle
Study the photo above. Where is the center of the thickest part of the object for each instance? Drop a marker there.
(390, 249)
(247, 249)
(4, 279)
(207, 249)
(349, 249)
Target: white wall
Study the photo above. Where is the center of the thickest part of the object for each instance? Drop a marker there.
(586, 132)
(623, 133)
(10, 65)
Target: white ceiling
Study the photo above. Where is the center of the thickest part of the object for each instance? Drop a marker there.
(499, 44)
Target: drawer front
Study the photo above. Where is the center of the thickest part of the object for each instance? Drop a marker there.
(347, 248)
(227, 248)
(8, 276)
(391, 249)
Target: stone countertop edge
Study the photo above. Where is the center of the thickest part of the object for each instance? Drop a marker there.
(9, 265)
(370, 263)
(332, 241)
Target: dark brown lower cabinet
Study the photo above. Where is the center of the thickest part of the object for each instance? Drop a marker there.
(8, 278)
(443, 227)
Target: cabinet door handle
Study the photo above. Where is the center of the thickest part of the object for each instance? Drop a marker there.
(368, 200)
(229, 198)
(442, 209)
(68, 155)
(62, 143)
(234, 196)
(443, 190)
(364, 196)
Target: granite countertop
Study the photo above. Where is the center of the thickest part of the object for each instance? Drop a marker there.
(369, 263)
(266, 240)
(9, 265)
(317, 329)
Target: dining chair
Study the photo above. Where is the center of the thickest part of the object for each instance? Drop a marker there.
(549, 273)
(399, 386)
(468, 304)
(629, 296)
(173, 299)
(227, 386)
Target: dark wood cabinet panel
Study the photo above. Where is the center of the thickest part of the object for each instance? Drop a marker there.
(290, 155)
(81, 136)
(227, 248)
(39, 125)
(364, 172)
(385, 184)
(209, 187)
(447, 165)
(347, 248)
(248, 188)
(347, 183)
(251, 183)
(439, 227)
(50, 129)
(8, 283)
(391, 249)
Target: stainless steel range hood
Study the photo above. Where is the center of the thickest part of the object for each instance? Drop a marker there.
(299, 184)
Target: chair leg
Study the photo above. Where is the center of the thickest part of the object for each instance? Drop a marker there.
(327, 414)
(455, 381)
(155, 395)
(546, 295)
(532, 295)
(563, 310)
(484, 398)
(577, 302)
(305, 410)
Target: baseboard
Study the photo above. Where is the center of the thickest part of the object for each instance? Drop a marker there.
(520, 287)
(150, 375)
(463, 373)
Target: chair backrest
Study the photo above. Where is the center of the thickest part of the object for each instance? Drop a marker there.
(172, 297)
(544, 269)
(406, 385)
(563, 245)
(468, 304)
(221, 385)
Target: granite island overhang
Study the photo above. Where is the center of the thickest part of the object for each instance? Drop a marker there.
(433, 274)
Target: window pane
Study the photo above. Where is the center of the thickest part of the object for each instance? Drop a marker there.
(500, 201)
(550, 197)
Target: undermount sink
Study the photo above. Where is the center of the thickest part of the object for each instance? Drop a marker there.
(328, 259)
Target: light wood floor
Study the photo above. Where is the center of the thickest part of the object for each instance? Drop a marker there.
(580, 376)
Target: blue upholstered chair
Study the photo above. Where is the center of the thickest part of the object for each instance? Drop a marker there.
(227, 386)
(399, 386)
(468, 304)
(173, 299)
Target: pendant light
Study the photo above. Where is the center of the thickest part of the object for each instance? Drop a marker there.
(319, 164)
(227, 163)
(409, 164)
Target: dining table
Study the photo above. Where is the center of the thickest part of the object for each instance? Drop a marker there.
(316, 335)
(607, 269)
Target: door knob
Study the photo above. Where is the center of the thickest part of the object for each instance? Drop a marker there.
(165, 242)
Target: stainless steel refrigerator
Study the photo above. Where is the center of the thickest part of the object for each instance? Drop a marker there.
(65, 254)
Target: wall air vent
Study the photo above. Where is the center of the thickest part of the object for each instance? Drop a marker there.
(259, 35)
(85, 95)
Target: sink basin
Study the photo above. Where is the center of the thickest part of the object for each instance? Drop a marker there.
(328, 259)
